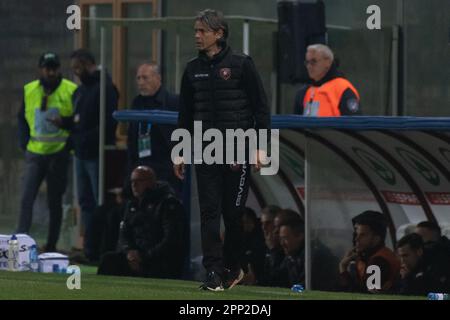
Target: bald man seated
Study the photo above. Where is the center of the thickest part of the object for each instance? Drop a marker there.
(151, 238)
(329, 94)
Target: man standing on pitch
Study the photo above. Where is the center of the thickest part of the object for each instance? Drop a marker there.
(224, 91)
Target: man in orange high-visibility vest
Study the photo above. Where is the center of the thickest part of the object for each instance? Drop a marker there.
(329, 94)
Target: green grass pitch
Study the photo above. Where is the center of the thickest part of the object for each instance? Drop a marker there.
(27, 285)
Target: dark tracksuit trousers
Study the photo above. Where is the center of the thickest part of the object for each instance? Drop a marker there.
(53, 168)
(222, 190)
(116, 264)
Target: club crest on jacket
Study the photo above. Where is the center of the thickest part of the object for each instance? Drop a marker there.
(225, 73)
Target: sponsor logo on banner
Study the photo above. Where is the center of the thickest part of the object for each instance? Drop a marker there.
(420, 165)
(376, 164)
(401, 197)
(438, 198)
(409, 198)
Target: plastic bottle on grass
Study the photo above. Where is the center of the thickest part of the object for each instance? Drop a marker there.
(13, 254)
(34, 259)
(438, 296)
(298, 288)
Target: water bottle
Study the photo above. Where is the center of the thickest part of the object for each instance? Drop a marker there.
(34, 259)
(438, 296)
(13, 254)
(298, 288)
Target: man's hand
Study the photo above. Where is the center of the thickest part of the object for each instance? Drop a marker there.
(56, 121)
(343, 265)
(134, 261)
(260, 156)
(178, 168)
(404, 272)
(249, 277)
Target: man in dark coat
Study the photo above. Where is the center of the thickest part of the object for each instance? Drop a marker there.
(421, 273)
(85, 130)
(151, 240)
(149, 144)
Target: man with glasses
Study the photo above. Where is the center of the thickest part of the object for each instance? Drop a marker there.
(45, 145)
(329, 94)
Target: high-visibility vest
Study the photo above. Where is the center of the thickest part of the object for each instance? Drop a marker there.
(46, 138)
(326, 98)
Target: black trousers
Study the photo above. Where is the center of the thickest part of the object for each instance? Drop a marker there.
(222, 189)
(54, 169)
(116, 264)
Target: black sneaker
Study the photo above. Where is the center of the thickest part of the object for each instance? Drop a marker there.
(232, 278)
(213, 282)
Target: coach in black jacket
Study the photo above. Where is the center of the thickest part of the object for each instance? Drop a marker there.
(151, 240)
(224, 91)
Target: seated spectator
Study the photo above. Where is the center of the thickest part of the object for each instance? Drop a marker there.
(420, 276)
(151, 241)
(253, 247)
(271, 219)
(434, 243)
(292, 239)
(369, 249)
(273, 251)
(267, 217)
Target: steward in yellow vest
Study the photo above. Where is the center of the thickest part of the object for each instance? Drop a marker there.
(44, 137)
(46, 152)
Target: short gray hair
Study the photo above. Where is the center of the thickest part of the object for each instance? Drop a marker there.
(323, 49)
(155, 67)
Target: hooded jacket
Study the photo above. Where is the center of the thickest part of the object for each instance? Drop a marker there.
(155, 226)
(348, 103)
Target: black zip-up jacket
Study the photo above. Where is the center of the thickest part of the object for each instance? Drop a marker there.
(160, 134)
(84, 124)
(224, 92)
(431, 275)
(156, 228)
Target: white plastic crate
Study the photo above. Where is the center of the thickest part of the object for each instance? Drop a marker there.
(48, 261)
